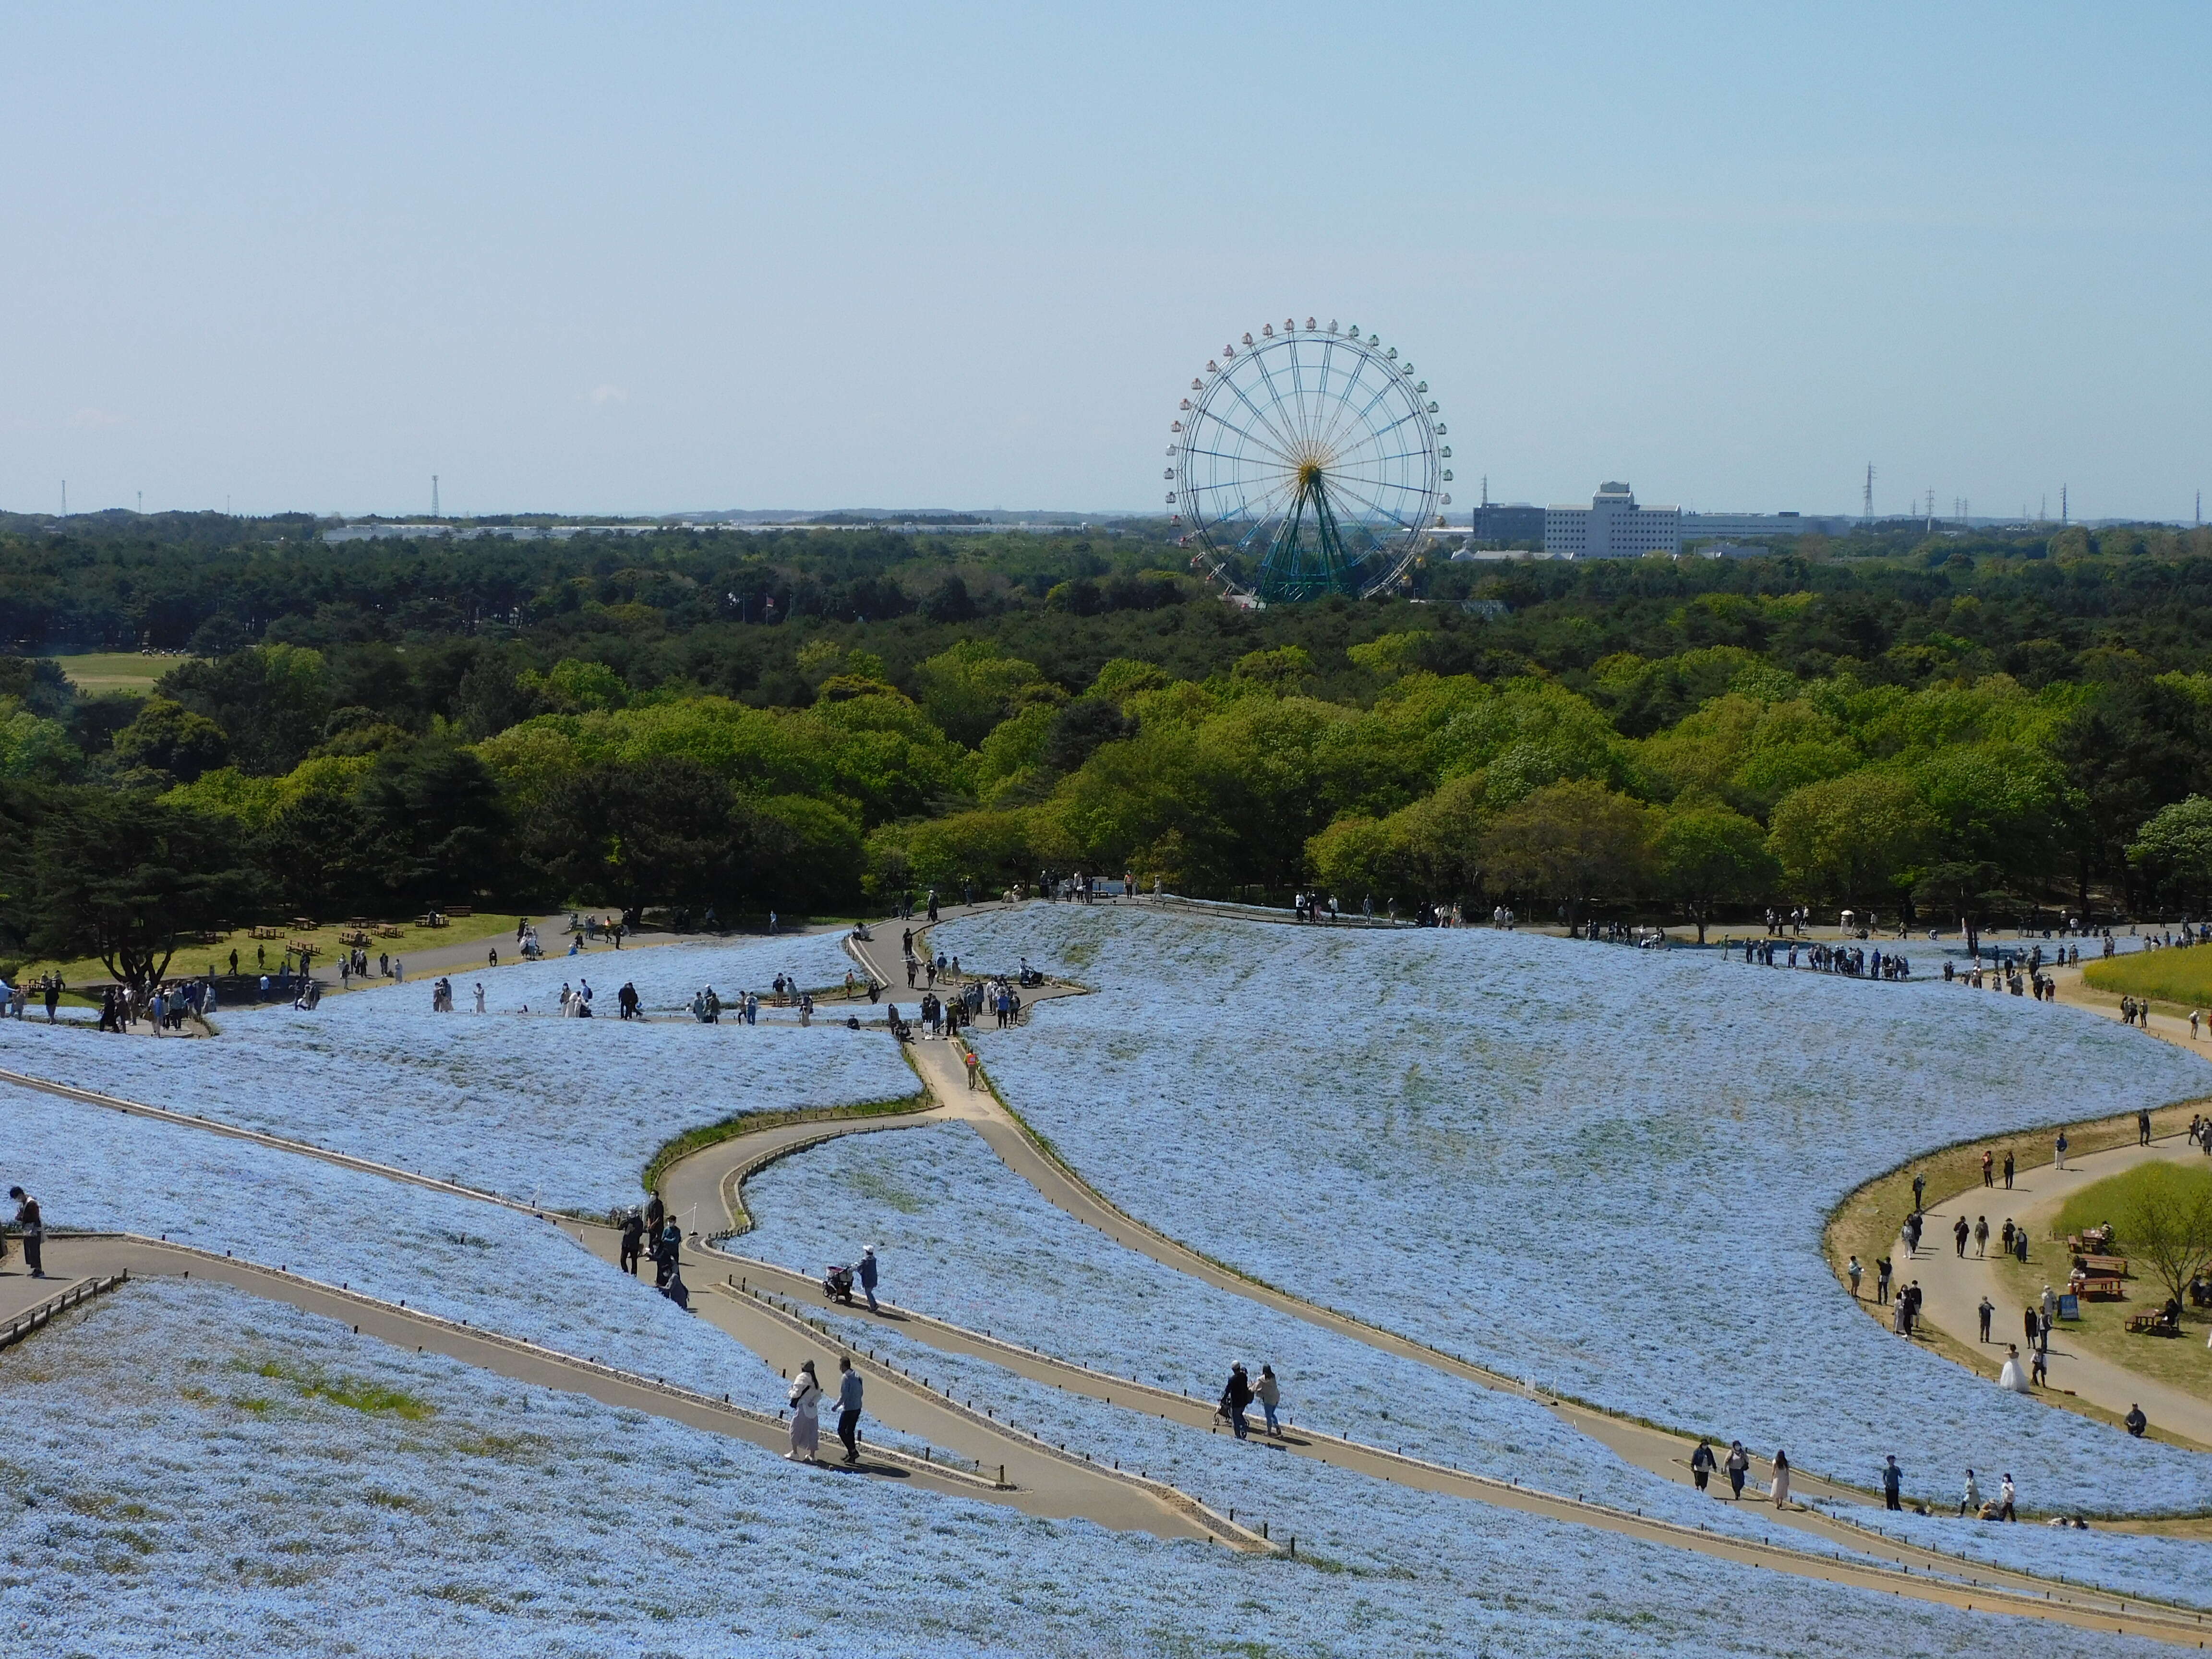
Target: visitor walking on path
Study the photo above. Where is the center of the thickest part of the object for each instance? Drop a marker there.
(1738, 1466)
(1270, 1393)
(32, 1224)
(1881, 1268)
(806, 1415)
(1701, 1462)
(1893, 1483)
(868, 1273)
(1961, 1231)
(2060, 1147)
(632, 1242)
(1236, 1395)
(1988, 1311)
(1981, 1237)
(1988, 1160)
(2006, 1494)
(848, 1409)
(1781, 1478)
(2007, 1169)
(1852, 1272)
(2142, 1129)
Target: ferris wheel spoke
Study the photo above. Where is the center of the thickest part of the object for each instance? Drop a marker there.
(1378, 460)
(1360, 420)
(1350, 416)
(1402, 522)
(1265, 418)
(1291, 411)
(1372, 434)
(1252, 438)
(1298, 391)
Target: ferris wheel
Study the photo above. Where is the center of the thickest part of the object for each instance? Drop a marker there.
(1308, 462)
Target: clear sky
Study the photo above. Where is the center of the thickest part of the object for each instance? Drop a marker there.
(650, 257)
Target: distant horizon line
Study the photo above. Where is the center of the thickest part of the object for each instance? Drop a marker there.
(954, 517)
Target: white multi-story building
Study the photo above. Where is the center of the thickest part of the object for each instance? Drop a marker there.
(1612, 526)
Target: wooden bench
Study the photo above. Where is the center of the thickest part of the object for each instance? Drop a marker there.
(2101, 1287)
(2109, 1267)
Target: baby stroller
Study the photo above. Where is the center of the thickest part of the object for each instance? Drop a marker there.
(837, 1284)
(1031, 975)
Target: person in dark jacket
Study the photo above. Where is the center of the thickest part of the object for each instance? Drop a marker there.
(848, 1409)
(2136, 1422)
(34, 1226)
(633, 1241)
(1893, 1483)
(626, 1001)
(1738, 1464)
(868, 1273)
(1235, 1396)
(1701, 1463)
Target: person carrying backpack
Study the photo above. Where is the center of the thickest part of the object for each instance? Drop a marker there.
(1236, 1395)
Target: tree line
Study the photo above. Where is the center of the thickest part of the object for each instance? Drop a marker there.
(1970, 727)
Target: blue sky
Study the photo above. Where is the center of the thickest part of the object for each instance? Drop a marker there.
(646, 258)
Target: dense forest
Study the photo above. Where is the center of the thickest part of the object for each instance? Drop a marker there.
(1981, 725)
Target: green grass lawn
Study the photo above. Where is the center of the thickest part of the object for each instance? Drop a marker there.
(2182, 975)
(2181, 1362)
(117, 671)
(193, 960)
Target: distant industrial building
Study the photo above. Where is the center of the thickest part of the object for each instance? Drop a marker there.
(1696, 527)
(1612, 526)
(1495, 521)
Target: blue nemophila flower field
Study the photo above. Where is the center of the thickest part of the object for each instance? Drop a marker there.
(1604, 1168)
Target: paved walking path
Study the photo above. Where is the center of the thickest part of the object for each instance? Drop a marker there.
(1954, 1286)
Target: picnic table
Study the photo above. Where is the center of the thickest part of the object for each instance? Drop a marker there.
(2155, 1324)
(354, 936)
(2110, 1267)
(2101, 1286)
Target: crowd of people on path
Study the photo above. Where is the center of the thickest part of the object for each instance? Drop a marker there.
(652, 1233)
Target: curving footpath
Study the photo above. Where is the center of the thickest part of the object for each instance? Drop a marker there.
(1953, 1285)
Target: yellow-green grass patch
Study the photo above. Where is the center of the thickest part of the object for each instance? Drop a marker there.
(117, 671)
(266, 955)
(2181, 976)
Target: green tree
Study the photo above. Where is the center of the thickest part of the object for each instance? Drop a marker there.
(970, 687)
(660, 830)
(125, 879)
(1958, 887)
(2175, 848)
(1854, 838)
(1576, 841)
(169, 738)
(2165, 1220)
(1706, 854)
(272, 700)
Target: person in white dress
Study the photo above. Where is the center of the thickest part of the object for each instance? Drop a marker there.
(806, 1415)
(2014, 1375)
(480, 997)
